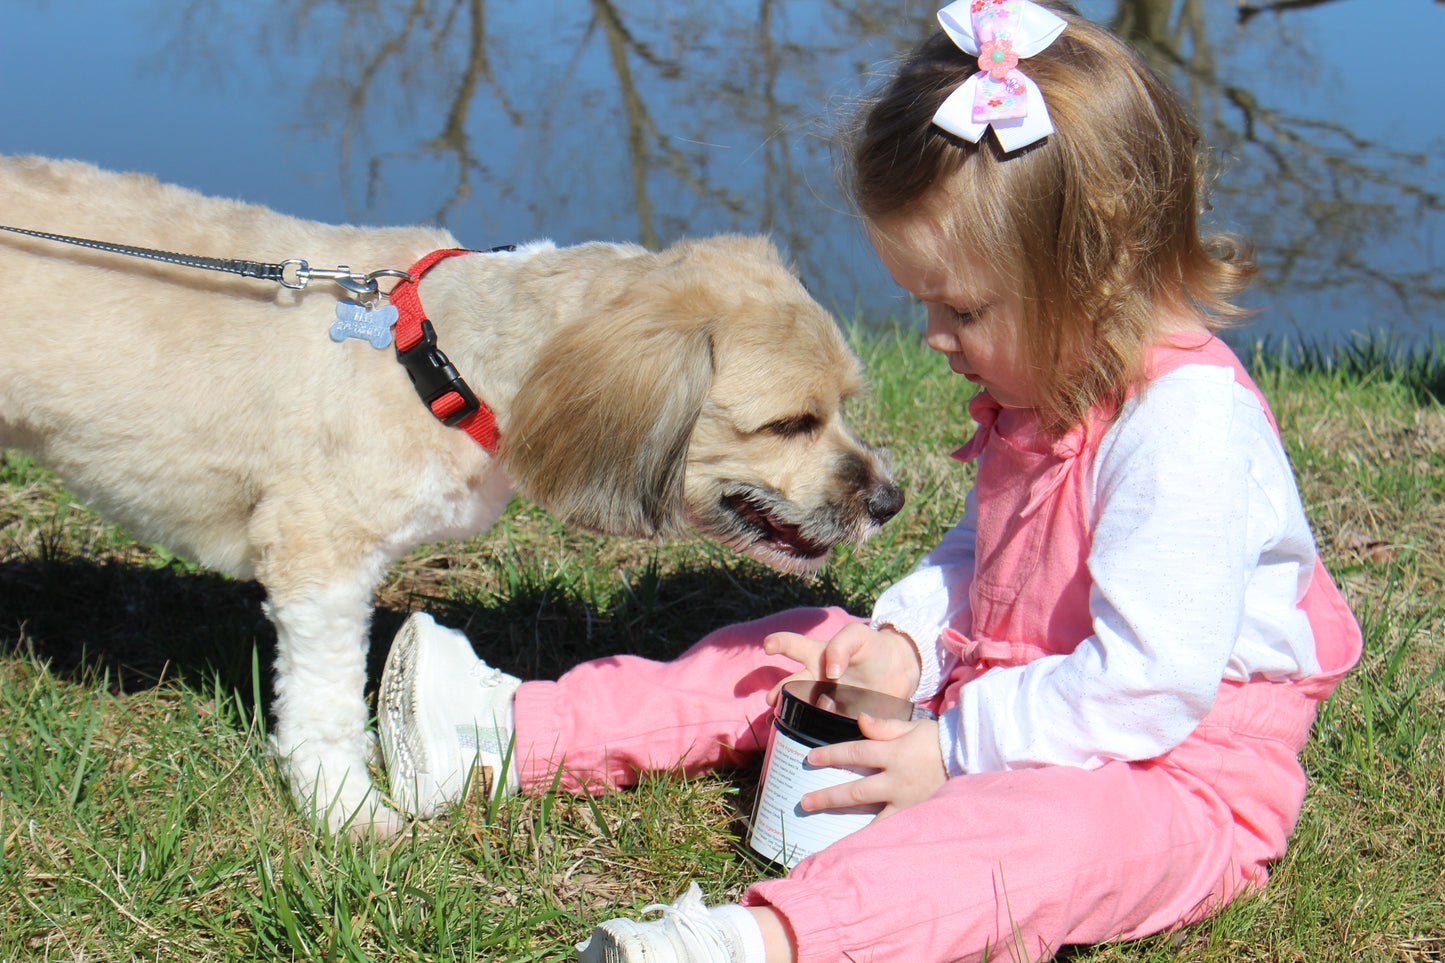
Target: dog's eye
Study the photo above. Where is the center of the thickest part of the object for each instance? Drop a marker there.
(794, 426)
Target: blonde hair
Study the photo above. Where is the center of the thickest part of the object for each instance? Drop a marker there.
(1097, 224)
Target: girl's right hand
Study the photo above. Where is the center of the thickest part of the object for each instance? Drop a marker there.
(878, 659)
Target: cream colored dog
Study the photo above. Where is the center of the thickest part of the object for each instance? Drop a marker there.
(636, 393)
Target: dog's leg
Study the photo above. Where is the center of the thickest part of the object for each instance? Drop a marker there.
(320, 707)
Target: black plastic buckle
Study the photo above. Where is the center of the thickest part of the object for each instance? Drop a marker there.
(433, 375)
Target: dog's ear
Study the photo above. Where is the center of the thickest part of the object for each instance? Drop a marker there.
(599, 432)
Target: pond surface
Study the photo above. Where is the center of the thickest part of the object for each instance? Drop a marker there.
(646, 120)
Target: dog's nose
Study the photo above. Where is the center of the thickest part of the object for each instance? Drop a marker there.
(884, 501)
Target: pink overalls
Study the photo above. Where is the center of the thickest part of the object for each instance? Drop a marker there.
(1022, 861)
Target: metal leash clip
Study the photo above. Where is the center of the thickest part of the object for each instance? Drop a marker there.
(296, 274)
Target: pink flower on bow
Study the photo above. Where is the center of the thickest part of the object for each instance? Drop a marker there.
(1001, 34)
(996, 58)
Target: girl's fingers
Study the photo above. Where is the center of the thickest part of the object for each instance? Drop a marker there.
(882, 730)
(799, 648)
(838, 654)
(863, 792)
(899, 764)
(805, 651)
(870, 752)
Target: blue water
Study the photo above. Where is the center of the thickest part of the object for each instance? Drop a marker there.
(241, 98)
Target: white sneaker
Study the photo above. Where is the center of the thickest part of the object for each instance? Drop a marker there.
(688, 932)
(445, 718)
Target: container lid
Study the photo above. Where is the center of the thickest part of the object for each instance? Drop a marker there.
(829, 711)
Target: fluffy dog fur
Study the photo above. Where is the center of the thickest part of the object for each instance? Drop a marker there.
(637, 394)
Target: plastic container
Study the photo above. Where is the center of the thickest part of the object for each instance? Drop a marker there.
(808, 715)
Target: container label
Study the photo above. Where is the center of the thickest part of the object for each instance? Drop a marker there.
(782, 831)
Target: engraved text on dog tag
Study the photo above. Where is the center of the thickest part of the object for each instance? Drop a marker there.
(355, 320)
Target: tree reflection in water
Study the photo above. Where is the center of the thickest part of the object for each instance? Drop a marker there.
(1327, 206)
(645, 120)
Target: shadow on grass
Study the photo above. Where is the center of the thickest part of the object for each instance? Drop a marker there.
(542, 628)
(137, 625)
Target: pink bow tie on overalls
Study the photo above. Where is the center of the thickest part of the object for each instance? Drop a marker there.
(984, 409)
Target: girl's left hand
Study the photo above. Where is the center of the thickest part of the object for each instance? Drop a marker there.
(906, 755)
(879, 659)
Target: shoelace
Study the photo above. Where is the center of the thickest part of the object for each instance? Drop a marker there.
(699, 930)
(486, 676)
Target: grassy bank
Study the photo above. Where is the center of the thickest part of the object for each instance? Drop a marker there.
(140, 817)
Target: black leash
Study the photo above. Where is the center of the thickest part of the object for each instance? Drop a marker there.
(292, 272)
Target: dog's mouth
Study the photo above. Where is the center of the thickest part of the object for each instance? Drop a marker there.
(764, 526)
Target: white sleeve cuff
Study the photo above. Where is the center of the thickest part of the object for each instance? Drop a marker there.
(950, 741)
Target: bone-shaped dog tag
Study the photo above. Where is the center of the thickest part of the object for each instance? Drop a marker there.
(355, 320)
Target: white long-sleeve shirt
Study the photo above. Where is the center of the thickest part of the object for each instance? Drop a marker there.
(1200, 552)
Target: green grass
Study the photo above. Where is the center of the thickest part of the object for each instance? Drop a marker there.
(141, 818)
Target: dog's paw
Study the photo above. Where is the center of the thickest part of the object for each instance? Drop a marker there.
(380, 824)
(343, 804)
(367, 819)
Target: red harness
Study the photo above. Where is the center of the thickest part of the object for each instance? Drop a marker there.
(435, 379)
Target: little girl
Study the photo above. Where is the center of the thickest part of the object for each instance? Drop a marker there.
(1125, 639)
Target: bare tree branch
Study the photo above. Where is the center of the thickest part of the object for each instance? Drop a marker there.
(1321, 199)
(1248, 11)
(619, 42)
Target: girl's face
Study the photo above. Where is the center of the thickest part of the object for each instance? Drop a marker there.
(974, 314)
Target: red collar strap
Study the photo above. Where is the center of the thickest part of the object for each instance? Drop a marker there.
(432, 374)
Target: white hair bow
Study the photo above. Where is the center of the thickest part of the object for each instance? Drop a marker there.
(999, 33)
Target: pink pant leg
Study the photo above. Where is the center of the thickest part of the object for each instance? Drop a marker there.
(605, 721)
(1018, 864)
